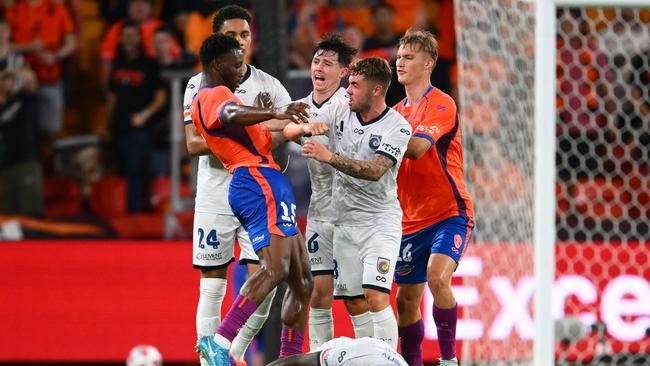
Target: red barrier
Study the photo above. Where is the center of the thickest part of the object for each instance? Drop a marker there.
(93, 301)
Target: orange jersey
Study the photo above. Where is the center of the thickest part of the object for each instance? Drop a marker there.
(236, 146)
(432, 188)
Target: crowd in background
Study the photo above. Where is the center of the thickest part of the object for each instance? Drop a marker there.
(94, 68)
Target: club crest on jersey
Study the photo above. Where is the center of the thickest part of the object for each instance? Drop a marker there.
(458, 241)
(383, 265)
(374, 141)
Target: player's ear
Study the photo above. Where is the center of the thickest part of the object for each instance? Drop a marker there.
(430, 63)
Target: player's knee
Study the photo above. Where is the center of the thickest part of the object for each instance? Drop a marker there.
(215, 273)
(437, 283)
(377, 300)
(356, 306)
(406, 304)
(278, 272)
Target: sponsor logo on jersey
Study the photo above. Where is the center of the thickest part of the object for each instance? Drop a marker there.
(287, 224)
(431, 130)
(404, 270)
(208, 256)
(341, 286)
(441, 107)
(374, 141)
(187, 107)
(458, 241)
(383, 265)
(393, 150)
(240, 91)
(318, 260)
(191, 86)
(258, 239)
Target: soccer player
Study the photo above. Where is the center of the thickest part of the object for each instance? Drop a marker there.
(215, 226)
(332, 57)
(345, 351)
(370, 141)
(259, 195)
(438, 219)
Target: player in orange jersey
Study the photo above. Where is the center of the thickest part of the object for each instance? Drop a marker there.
(437, 217)
(259, 195)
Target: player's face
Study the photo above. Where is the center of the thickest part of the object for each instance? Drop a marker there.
(240, 30)
(231, 68)
(360, 93)
(412, 64)
(326, 71)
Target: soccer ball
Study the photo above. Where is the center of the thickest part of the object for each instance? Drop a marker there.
(144, 355)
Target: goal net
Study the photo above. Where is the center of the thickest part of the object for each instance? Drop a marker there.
(601, 292)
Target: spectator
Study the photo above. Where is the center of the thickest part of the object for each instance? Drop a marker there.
(112, 10)
(383, 42)
(139, 12)
(354, 37)
(135, 95)
(20, 169)
(358, 14)
(43, 30)
(159, 124)
(199, 26)
(324, 18)
(303, 38)
(176, 13)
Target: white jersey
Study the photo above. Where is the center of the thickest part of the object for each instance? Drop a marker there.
(365, 351)
(360, 202)
(320, 174)
(212, 178)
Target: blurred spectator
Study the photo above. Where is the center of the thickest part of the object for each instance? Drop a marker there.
(383, 42)
(322, 17)
(135, 95)
(112, 10)
(159, 124)
(440, 20)
(21, 173)
(353, 36)
(139, 12)
(199, 26)
(303, 37)
(358, 14)
(43, 30)
(176, 13)
(406, 13)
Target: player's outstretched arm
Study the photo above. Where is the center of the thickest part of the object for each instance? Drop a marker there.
(294, 131)
(195, 143)
(307, 359)
(245, 116)
(363, 169)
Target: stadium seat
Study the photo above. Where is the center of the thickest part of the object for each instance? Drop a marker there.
(160, 193)
(139, 226)
(108, 198)
(62, 197)
(600, 198)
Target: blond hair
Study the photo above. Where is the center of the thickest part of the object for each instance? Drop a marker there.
(425, 41)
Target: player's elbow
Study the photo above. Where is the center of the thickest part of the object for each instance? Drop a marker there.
(415, 153)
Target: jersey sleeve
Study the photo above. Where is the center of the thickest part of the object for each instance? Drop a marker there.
(109, 44)
(438, 121)
(279, 94)
(209, 105)
(331, 113)
(394, 144)
(191, 89)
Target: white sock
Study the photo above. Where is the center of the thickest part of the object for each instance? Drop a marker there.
(208, 311)
(250, 329)
(362, 324)
(385, 326)
(321, 327)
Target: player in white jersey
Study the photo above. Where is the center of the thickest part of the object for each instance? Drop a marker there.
(215, 226)
(370, 142)
(345, 351)
(332, 57)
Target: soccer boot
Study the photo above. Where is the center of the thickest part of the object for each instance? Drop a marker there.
(214, 354)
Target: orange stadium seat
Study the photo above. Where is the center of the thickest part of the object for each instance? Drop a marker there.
(108, 198)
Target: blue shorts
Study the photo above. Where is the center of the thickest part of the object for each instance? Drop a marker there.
(263, 201)
(449, 237)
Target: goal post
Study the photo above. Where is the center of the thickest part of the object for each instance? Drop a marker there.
(554, 107)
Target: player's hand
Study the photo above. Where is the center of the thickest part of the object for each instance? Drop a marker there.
(315, 150)
(138, 119)
(296, 112)
(315, 129)
(263, 100)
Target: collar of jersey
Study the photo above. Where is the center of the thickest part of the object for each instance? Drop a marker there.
(247, 74)
(374, 119)
(319, 105)
(419, 99)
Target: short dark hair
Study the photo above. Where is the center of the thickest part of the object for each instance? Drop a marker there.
(334, 42)
(217, 45)
(227, 13)
(164, 29)
(373, 68)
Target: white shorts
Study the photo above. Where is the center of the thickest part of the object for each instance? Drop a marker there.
(365, 257)
(320, 237)
(213, 244)
(359, 352)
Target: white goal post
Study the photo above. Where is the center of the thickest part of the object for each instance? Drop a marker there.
(545, 168)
